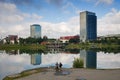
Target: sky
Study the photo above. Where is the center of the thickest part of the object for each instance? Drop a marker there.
(57, 17)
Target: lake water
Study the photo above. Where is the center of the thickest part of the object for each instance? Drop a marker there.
(12, 62)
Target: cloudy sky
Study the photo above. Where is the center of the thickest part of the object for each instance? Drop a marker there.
(57, 17)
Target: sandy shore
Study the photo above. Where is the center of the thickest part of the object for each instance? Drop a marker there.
(75, 74)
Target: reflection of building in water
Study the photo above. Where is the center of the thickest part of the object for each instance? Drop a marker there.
(36, 59)
(55, 45)
(13, 52)
(55, 50)
(2, 51)
(89, 58)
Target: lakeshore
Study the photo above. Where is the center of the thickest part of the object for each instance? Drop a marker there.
(69, 47)
(67, 74)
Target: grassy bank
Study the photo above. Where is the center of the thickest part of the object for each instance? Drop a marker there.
(90, 45)
(24, 73)
(97, 47)
(70, 47)
(23, 47)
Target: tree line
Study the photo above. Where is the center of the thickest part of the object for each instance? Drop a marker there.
(30, 40)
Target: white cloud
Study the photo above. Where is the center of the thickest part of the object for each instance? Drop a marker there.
(10, 18)
(35, 16)
(5, 8)
(19, 24)
(56, 30)
(69, 8)
(9, 13)
(97, 2)
(13, 21)
(16, 22)
(110, 23)
(55, 2)
(104, 1)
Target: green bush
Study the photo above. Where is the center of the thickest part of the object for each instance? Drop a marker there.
(78, 63)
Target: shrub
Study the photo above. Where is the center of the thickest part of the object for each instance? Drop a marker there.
(78, 63)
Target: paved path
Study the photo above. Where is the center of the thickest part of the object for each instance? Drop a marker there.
(75, 74)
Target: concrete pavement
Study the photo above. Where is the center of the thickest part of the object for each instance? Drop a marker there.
(75, 74)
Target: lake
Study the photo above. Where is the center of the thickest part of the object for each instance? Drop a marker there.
(15, 61)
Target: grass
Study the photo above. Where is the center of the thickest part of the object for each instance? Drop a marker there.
(90, 45)
(25, 46)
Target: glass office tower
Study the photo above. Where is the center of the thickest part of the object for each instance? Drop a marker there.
(88, 26)
(35, 31)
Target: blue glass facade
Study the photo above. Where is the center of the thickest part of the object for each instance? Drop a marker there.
(35, 31)
(35, 59)
(88, 26)
(89, 58)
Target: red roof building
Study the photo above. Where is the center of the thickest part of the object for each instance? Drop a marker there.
(67, 38)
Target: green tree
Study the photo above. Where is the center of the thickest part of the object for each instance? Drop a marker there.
(76, 40)
(21, 40)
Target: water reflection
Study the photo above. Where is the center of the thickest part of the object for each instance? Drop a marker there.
(89, 58)
(108, 60)
(36, 59)
(2, 51)
(55, 50)
(15, 61)
(11, 64)
(12, 52)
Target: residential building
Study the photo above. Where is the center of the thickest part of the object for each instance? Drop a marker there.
(65, 39)
(13, 39)
(88, 26)
(10, 39)
(35, 31)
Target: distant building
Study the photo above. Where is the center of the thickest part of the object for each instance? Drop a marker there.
(109, 37)
(35, 31)
(88, 26)
(67, 38)
(11, 39)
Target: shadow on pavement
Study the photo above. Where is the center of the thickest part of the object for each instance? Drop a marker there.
(80, 78)
(62, 73)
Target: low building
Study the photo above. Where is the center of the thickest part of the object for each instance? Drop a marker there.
(65, 39)
(107, 38)
(11, 39)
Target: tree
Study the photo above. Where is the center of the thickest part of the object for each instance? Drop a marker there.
(76, 40)
(45, 38)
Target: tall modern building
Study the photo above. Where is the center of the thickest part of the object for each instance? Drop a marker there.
(88, 26)
(35, 31)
